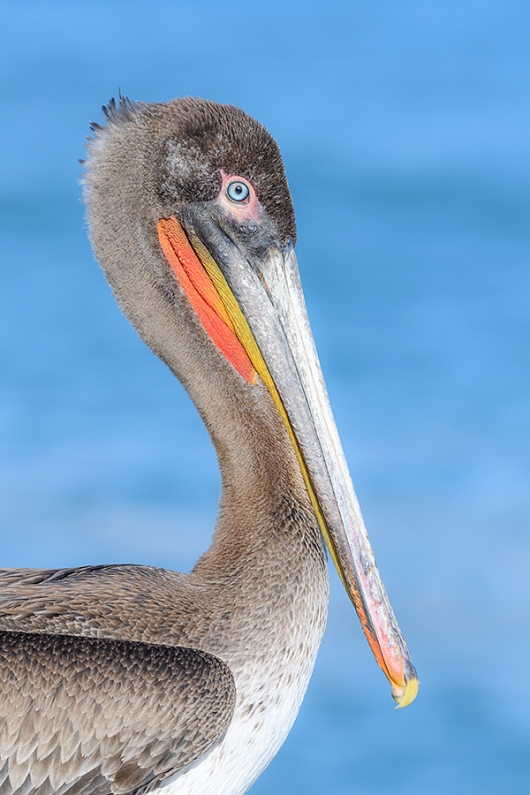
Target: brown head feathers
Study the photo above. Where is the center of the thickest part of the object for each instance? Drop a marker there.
(200, 138)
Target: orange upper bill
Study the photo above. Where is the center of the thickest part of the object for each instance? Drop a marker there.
(203, 296)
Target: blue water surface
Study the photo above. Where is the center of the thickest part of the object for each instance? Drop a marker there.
(405, 132)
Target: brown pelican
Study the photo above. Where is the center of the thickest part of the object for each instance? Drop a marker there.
(125, 679)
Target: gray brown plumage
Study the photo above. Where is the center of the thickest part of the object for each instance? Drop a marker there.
(125, 714)
(117, 679)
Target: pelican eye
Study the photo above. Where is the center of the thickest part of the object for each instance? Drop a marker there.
(237, 191)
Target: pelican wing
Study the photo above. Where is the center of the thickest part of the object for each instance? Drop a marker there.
(85, 715)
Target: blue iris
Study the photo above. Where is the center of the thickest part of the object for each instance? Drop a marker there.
(237, 191)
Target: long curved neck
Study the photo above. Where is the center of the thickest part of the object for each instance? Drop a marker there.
(263, 494)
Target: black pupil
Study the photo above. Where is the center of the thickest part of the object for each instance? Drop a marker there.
(238, 191)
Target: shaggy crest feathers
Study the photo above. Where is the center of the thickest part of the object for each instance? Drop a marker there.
(197, 139)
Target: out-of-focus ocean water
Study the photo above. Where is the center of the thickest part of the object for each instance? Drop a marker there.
(405, 132)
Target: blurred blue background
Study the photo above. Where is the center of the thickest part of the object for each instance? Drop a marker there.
(405, 131)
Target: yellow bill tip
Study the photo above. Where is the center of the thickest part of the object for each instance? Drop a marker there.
(406, 695)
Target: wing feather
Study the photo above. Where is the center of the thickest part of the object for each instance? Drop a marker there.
(83, 716)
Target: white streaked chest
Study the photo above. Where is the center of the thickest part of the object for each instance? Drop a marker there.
(270, 690)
